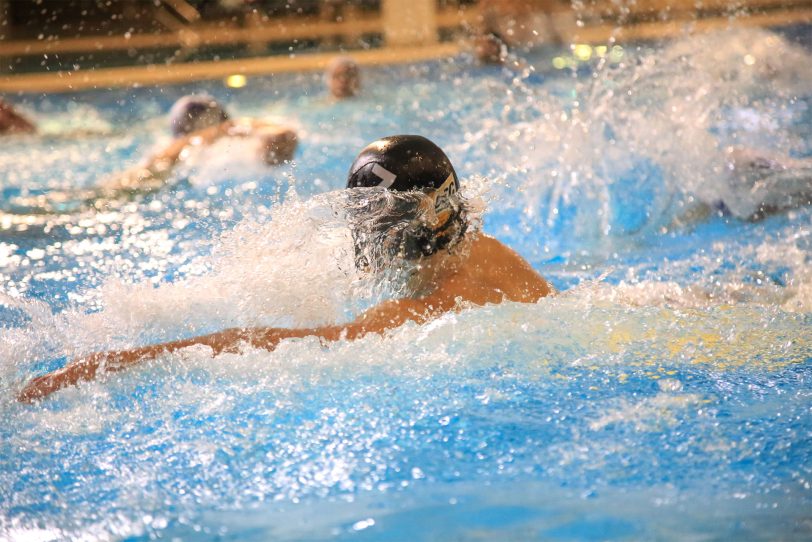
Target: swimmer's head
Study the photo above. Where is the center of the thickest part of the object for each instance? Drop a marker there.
(13, 122)
(490, 48)
(414, 165)
(343, 77)
(193, 113)
(402, 163)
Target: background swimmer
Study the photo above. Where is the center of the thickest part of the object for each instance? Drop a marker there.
(490, 48)
(755, 184)
(198, 121)
(761, 183)
(453, 264)
(343, 77)
(12, 122)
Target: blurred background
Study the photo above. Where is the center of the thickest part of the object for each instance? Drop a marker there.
(54, 45)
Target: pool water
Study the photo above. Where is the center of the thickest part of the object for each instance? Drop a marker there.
(663, 394)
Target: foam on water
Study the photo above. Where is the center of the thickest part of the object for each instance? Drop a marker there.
(632, 148)
(724, 286)
(78, 119)
(231, 160)
(294, 269)
(189, 433)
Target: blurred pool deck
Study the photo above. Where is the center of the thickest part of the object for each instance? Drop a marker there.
(403, 31)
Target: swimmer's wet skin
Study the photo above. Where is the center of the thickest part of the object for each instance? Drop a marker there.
(12, 122)
(454, 264)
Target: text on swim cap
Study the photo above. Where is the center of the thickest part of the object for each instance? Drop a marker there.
(443, 195)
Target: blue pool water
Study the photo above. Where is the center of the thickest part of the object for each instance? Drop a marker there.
(663, 394)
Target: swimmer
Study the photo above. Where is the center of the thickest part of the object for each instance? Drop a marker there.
(343, 77)
(755, 184)
(455, 267)
(760, 183)
(199, 121)
(490, 48)
(12, 122)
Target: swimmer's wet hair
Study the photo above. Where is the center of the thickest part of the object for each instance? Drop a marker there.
(195, 112)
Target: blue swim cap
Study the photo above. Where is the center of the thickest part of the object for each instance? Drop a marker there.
(192, 113)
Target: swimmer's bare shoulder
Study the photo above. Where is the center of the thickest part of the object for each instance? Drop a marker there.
(500, 268)
(491, 273)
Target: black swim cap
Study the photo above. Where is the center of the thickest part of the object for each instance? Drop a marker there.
(192, 113)
(402, 163)
(406, 163)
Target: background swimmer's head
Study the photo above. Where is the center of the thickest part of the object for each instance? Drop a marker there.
(196, 112)
(490, 48)
(343, 77)
(433, 216)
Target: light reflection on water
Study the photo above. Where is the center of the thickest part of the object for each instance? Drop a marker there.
(680, 377)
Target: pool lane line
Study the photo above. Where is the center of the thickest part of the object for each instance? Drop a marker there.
(68, 81)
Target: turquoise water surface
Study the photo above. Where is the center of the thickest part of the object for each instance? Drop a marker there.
(663, 394)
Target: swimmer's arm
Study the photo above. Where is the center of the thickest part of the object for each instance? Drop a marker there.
(386, 316)
(377, 320)
(88, 367)
(278, 142)
(171, 153)
(156, 169)
(259, 124)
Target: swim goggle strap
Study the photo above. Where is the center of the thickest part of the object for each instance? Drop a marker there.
(441, 226)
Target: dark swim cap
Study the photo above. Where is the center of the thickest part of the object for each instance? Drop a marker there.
(406, 163)
(192, 113)
(402, 163)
